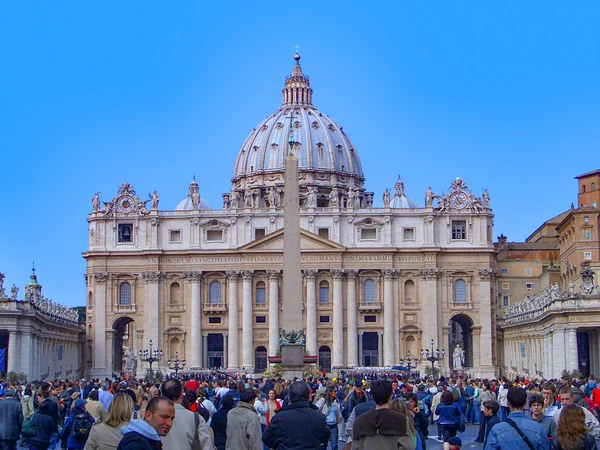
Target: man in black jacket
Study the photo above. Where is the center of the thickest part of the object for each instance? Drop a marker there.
(11, 418)
(299, 425)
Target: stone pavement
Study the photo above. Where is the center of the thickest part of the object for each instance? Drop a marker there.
(469, 435)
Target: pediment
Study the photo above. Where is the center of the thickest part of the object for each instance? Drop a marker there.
(308, 242)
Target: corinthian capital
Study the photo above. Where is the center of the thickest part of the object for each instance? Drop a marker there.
(247, 275)
(232, 275)
(309, 274)
(273, 274)
(389, 274)
(152, 277)
(430, 274)
(100, 277)
(351, 274)
(193, 276)
(337, 274)
(485, 274)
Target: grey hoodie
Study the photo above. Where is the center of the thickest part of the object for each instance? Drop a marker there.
(139, 435)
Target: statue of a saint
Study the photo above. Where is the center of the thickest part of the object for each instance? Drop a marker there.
(386, 198)
(334, 197)
(129, 359)
(96, 202)
(14, 291)
(155, 200)
(195, 200)
(248, 198)
(235, 200)
(486, 199)
(350, 200)
(311, 201)
(571, 289)
(458, 357)
(429, 198)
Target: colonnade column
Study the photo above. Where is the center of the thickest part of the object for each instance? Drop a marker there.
(559, 353)
(99, 346)
(338, 319)
(486, 369)
(13, 353)
(27, 354)
(152, 317)
(311, 312)
(205, 348)
(430, 277)
(388, 317)
(196, 311)
(273, 312)
(110, 347)
(379, 347)
(573, 357)
(352, 326)
(233, 342)
(360, 348)
(247, 332)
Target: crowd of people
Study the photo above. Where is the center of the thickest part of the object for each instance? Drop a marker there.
(355, 410)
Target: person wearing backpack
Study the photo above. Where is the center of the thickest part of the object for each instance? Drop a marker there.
(77, 427)
(39, 428)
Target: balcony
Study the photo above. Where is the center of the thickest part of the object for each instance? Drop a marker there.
(369, 306)
(117, 308)
(214, 308)
(261, 306)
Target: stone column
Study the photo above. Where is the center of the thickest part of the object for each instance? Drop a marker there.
(100, 369)
(27, 354)
(547, 356)
(337, 358)
(14, 356)
(388, 317)
(110, 350)
(196, 319)
(225, 347)
(573, 361)
(273, 312)
(311, 312)
(233, 342)
(360, 348)
(430, 277)
(152, 280)
(486, 368)
(559, 353)
(247, 332)
(352, 323)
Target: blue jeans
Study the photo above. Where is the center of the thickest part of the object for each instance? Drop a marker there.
(334, 436)
(476, 416)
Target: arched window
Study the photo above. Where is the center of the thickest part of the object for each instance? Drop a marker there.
(460, 291)
(125, 293)
(323, 292)
(214, 292)
(261, 297)
(325, 358)
(369, 291)
(409, 292)
(260, 359)
(175, 294)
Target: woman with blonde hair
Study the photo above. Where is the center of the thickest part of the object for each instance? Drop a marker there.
(106, 435)
(572, 431)
(399, 405)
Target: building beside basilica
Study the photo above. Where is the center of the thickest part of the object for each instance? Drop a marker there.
(378, 282)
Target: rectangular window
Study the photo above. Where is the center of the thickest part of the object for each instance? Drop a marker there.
(214, 235)
(370, 319)
(587, 255)
(522, 349)
(261, 319)
(409, 234)
(175, 236)
(593, 186)
(125, 232)
(459, 229)
(583, 188)
(505, 286)
(324, 233)
(368, 234)
(504, 271)
(505, 300)
(260, 233)
(528, 271)
(214, 320)
(324, 319)
(528, 285)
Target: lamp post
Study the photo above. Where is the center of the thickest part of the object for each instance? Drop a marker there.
(176, 364)
(432, 356)
(151, 356)
(408, 362)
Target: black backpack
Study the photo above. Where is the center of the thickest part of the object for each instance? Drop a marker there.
(82, 424)
(28, 429)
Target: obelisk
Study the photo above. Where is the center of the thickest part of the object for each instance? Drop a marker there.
(292, 332)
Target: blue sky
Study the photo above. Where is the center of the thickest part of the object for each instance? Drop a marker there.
(504, 95)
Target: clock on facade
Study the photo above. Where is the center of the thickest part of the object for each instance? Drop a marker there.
(126, 203)
(458, 200)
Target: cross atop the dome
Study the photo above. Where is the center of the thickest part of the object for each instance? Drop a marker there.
(296, 47)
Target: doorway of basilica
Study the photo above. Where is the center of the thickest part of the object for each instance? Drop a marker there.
(214, 350)
(123, 349)
(370, 349)
(461, 333)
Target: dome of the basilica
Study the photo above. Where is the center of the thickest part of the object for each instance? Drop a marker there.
(326, 156)
(193, 201)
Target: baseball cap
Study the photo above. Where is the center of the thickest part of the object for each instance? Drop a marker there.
(455, 440)
(79, 403)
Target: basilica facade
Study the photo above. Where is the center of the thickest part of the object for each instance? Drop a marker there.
(380, 283)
